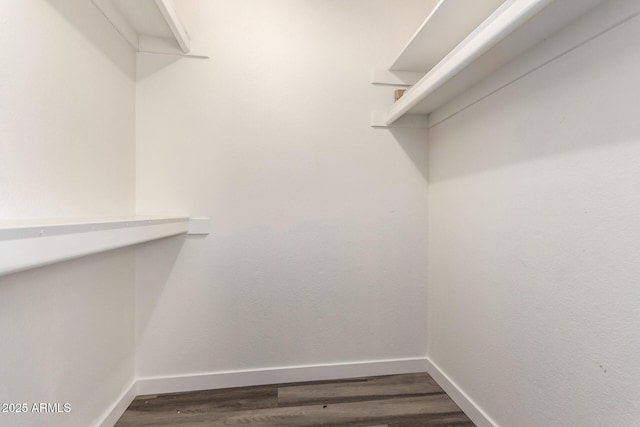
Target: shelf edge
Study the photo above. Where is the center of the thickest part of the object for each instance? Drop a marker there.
(411, 121)
(394, 78)
(123, 26)
(20, 250)
(500, 24)
(168, 11)
(449, 22)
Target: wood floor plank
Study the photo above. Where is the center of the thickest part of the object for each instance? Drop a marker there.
(374, 388)
(344, 414)
(411, 400)
(457, 419)
(432, 407)
(199, 402)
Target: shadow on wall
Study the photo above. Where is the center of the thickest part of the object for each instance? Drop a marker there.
(67, 334)
(414, 143)
(90, 22)
(572, 103)
(150, 63)
(154, 264)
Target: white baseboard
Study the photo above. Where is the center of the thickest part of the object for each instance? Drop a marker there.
(468, 406)
(292, 374)
(214, 380)
(115, 411)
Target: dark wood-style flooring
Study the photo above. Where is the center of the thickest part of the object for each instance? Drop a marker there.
(409, 400)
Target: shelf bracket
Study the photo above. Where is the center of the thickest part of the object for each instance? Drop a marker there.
(412, 121)
(199, 225)
(162, 46)
(394, 78)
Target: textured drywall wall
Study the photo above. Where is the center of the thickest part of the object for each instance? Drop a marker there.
(67, 110)
(67, 133)
(534, 201)
(318, 246)
(67, 339)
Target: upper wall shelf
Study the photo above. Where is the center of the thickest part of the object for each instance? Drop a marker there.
(25, 244)
(448, 24)
(514, 27)
(148, 25)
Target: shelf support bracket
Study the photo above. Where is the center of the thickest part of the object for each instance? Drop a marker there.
(394, 78)
(412, 121)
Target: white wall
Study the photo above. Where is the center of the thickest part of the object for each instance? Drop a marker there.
(68, 112)
(318, 246)
(67, 129)
(534, 200)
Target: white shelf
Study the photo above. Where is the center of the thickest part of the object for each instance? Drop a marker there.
(151, 26)
(448, 24)
(25, 245)
(513, 28)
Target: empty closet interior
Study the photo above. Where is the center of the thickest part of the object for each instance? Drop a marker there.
(203, 194)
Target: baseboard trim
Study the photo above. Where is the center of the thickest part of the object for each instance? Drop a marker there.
(115, 411)
(468, 406)
(215, 380)
(292, 374)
